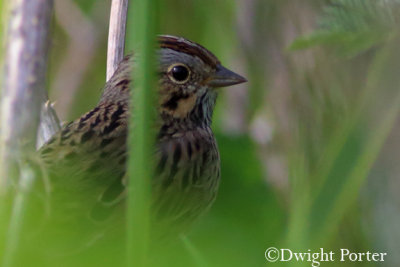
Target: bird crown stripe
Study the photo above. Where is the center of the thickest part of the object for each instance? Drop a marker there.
(194, 49)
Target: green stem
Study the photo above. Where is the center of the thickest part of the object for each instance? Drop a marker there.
(20, 204)
(142, 24)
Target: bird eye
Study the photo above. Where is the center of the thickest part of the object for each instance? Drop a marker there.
(179, 73)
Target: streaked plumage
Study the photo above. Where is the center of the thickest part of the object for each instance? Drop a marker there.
(86, 159)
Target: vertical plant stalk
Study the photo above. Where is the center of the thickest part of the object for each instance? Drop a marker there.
(25, 65)
(27, 178)
(143, 23)
(23, 93)
(116, 35)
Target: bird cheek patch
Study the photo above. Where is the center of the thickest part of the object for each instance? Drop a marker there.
(185, 106)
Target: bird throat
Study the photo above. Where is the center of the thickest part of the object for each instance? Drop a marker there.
(186, 113)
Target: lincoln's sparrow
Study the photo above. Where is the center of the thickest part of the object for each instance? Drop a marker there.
(86, 159)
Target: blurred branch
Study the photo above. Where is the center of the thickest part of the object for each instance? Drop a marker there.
(83, 43)
(25, 66)
(24, 79)
(116, 36)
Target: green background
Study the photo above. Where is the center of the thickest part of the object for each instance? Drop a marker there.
(309, 146)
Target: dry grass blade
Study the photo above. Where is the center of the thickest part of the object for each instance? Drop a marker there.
(116, 36)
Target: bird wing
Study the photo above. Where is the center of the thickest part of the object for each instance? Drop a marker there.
(86, 159)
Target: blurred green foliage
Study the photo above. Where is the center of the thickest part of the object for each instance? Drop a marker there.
(353, 26)
(330, 117)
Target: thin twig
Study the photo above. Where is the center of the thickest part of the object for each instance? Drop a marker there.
(116, 36)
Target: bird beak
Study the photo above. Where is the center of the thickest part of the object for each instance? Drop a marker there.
(224, 77)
